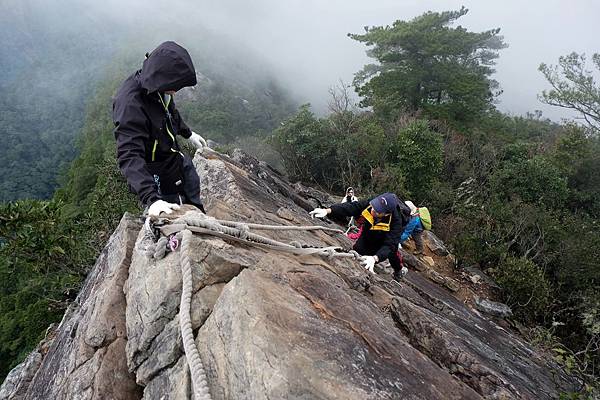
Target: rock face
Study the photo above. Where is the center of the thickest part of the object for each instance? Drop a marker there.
(435, 244)
(271, 325)
(18, 381)
(85, 359)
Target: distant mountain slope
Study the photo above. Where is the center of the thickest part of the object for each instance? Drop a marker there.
(54, 55)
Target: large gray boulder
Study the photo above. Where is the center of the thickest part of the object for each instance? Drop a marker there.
(271, 325)
(304, 334)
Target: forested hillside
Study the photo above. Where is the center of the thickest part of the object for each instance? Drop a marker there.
(47, 246)
(47, 73)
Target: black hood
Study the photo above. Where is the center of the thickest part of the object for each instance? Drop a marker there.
(168, 67)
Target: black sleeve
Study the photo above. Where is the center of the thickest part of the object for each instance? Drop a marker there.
(392, 238)
(131, 132)
(182, 129)
(348, 209)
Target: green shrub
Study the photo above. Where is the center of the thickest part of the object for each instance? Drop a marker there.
(535, 181)
(417, 151)
(38, 270)
(391, 178)
(306, 151)
(527, 290)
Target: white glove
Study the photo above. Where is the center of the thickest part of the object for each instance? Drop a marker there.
(368, 262)
(319, 213)
(160, 206)
(198, 141)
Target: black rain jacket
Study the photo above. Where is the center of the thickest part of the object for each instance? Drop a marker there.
(141, 120)
(386, 240)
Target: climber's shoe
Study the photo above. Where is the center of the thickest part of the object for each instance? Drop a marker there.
(398, 275)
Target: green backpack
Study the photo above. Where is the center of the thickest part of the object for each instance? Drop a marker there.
(425, 218)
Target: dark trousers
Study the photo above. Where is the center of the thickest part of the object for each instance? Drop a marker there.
(366, 247)
(191, 187)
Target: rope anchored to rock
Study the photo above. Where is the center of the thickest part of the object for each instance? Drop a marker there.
(179, 233)
(240, 232)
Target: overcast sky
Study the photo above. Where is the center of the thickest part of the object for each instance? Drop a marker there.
(305, 42)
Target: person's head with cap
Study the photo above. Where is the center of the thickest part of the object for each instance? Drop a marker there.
(350, 191)
(384, 204)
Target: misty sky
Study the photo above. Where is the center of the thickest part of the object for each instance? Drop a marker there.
(305, 43)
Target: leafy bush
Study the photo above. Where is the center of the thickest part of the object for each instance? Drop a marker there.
(535, 180)
(528, 291)
(304, 146)
(417, 151)
(390, 178)
(38, 273)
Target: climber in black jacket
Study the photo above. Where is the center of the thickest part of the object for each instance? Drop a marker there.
(146, 128)
(385, 217)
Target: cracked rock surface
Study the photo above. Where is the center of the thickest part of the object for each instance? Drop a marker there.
(272, 325)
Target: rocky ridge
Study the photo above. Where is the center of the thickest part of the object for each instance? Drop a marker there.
(272, 325)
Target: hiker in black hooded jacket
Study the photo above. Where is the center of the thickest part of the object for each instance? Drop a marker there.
(146, 128)
(383, 220)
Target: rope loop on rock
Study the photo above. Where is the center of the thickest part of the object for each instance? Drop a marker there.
(161, 248)
(241, 232)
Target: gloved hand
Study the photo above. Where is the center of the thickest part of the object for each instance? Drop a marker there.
(319, 212)
(369, 263)
(198, 141)
(160, 206)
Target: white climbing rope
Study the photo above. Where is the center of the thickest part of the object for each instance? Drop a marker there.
(278, 227)
(235, 231)
(199, 382)
(240, 232)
